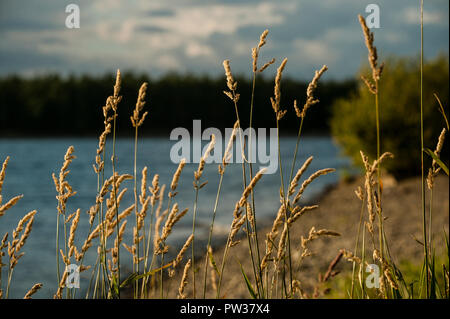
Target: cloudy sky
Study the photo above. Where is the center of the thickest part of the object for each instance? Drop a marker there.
(157, 36)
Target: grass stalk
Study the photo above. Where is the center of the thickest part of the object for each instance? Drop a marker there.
(162, 259)
(113, 159)
(244, 182)
(58, 274)
(210, 234)
(424, 222)
(430, 220)
(360, 224)
(102, 236)
(222, 267)
(259, 281)
(235, 97)
(147, 252)
(161, 290)
(379, 208)
(284, 198)
(363, 262)
(8, 284)
(193, 241)
(136, 265)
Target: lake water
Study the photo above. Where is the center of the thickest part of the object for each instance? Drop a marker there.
(33, 161)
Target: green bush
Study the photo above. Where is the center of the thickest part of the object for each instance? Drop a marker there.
(353, 120)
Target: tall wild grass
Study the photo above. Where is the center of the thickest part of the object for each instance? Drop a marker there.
(273, 264)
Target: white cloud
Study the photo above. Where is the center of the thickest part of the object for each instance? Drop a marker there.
(195, 49)
(105, 5)
(169, 62)
(196, 35)
(411, 15)
(203, 21)
(126, 31)
(314, 51)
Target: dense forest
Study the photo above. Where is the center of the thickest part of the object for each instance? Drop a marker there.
(52, 105)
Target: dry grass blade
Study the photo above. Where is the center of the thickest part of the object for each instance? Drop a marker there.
(255, 54)
(228, 151)
(330, 271)
(299, 174)
(176, 177)
(201, 164)
(13, 201)
(373, 57)
(251, 186)
(310, 180)
(32, 291)
(434, 170)
(180, 255)
(2, 174)
(73, 228)
(136, 120)
(310, 99)
(184, 281)
(314, 234)
(231, 83)
(277, 92)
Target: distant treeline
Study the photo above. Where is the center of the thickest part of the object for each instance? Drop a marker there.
(52, 105)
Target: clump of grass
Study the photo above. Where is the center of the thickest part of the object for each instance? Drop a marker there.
(252, 234)
(19, 236)
(276, 274)
(373, 208)
(238, 220)
(373, 188)
(221, 169)
(289, 211)
(392, 282)
(432, 173)
(137, 120)
(253, 238)
(105, 276)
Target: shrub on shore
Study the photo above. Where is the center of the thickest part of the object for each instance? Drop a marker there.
(399, 116)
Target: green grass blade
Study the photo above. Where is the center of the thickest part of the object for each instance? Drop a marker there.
(442, 110)
(247, 282)
(213, 262)
(114, 288)
(437, 159)
(133, 277)
(129, 280)
(446, 243)
(433, 284)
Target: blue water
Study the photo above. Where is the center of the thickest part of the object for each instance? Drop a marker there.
(33, 161)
